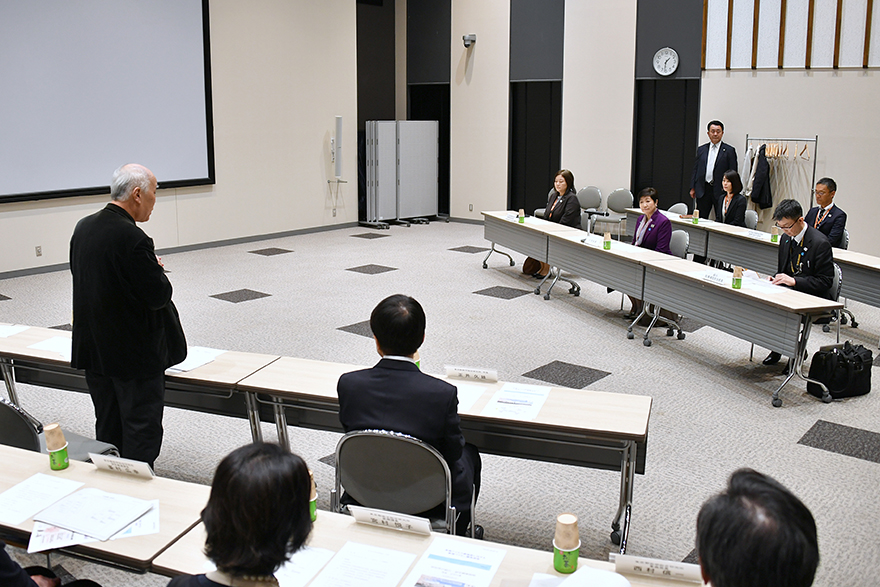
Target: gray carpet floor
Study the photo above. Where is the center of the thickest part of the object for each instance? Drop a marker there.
(309, 296)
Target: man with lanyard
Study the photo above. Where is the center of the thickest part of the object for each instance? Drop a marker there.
(827, 218)
(805, 262)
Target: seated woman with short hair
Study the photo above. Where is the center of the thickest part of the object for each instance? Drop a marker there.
(563, 207)
(653, 231)
(256, 518)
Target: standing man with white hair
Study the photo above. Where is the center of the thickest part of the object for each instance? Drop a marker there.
(126, 330)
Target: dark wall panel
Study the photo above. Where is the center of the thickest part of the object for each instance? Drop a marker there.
(536, 40)
(375, 61)
(669, 23)
(428, 29)
(431, 102)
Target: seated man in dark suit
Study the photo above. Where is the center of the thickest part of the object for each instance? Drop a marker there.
(395, 395)
(756, 532)
(805, 261)
(826, 217)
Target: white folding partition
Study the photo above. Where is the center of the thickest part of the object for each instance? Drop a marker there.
(401, 169)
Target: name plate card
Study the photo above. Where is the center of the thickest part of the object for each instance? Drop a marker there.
(652, 567)
(120, 465)
(719, 278)
(593, 240)
(392, 520)
(472, 373)
(758, 235)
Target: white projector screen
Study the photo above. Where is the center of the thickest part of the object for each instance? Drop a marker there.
(88, 85)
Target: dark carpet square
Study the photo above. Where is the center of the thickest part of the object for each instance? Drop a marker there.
(469, 249)
(370, 235)
(505, 293)
(845, 440)
(240, 295)
(329, 460)
(371, 269)
(877, 360)
(4, 298)
(567, 375)
(67, 327)
(271, 251)
(360, 328)
(692, 558)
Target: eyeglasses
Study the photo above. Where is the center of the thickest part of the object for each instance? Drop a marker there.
(780, 227)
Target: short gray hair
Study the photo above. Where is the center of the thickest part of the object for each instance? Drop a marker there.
(128, 177)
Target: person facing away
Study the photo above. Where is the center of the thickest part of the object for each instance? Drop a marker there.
(257, 517)
(805, 262)
(126, 331)
(756, 533)
(396, 396)
(827, 217)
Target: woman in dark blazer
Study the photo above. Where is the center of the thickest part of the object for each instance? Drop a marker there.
(653, 231)
(563, 207)
(733, 204)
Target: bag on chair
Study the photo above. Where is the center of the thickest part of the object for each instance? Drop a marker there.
(844, 369)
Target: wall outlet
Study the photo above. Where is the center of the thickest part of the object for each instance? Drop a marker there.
(334, 212)
(39, 251)
(470, 207)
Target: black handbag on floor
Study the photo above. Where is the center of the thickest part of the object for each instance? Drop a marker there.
(844, 369)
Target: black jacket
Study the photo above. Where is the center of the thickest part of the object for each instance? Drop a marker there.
(736, 210)
(811, 264)
(567, 212)
(124, 323)
(761, 183)
(832, 225)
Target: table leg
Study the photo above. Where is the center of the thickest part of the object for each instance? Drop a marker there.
(494, 250)
(281, 424)
(9, 379)
(620, 524)
(797, 363)
(253, 414)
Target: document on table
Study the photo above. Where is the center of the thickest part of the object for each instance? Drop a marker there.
(461, 563)
(196, 356)
(7, 330)
(361, 565)
(468, 395)
(56, 344)
(302, 566)
(94, 512)
(517, 401)
(22, 501)
(45, 537)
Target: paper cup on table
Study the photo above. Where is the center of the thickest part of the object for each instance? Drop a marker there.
(774, 234)
(566, 544)
(56, 445)
(696, 216)
(313, 497)
(737, 277)
(522, 215)
(606, 242)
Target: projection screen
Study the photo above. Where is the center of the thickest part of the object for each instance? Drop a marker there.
(88, 85)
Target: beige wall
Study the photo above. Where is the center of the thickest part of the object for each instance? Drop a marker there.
(478, 105)
(840, 107)
(277, 86)
(597, 92)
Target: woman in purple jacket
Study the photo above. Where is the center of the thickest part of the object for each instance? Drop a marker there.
(653, 231)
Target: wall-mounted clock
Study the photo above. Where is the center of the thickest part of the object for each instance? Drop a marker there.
(666, 61)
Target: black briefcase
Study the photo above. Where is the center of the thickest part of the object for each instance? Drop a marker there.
(845, 369)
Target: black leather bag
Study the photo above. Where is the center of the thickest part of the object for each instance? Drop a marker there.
(844, 369)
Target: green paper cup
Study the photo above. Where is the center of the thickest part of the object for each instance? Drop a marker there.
(58, 459)
(695, 220)
(566, 561)
(313, 509)
(737, 283)
(774, 238)
(606, 245)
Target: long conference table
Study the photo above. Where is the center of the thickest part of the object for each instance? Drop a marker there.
(178, 547)
(776, 318)
(576, 427)
(754, 250)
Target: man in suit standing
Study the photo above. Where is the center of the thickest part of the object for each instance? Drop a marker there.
(805, 261)
(713, 159)
(396, 396)
(756, 532)
(126, 331)
(826, 217)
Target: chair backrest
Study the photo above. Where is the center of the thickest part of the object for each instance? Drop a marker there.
(590, 198)
(18, 428)
(392, 471)
(619, 200)
(844, 242)
(678, 243)
(539, 212)
(836, 284)
(751, 219)
(678, 208)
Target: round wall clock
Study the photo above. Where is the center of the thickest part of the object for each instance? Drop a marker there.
(666, 61)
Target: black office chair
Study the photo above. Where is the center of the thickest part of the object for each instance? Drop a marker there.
(394, 472)
(844, 313)
(21, 430)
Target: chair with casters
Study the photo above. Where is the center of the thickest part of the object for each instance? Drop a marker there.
(539, 212)
(844, 313)
(678, 245)
(751, 219)
(616, 204)
(590, 199)
(679, 208)
(394, 472)
(21, 430)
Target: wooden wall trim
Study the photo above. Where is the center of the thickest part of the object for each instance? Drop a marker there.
(706, 32)
(837, 24)
(808, 60)
(868, 18)
(729, 32)
(781, 55)
(757, 13)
